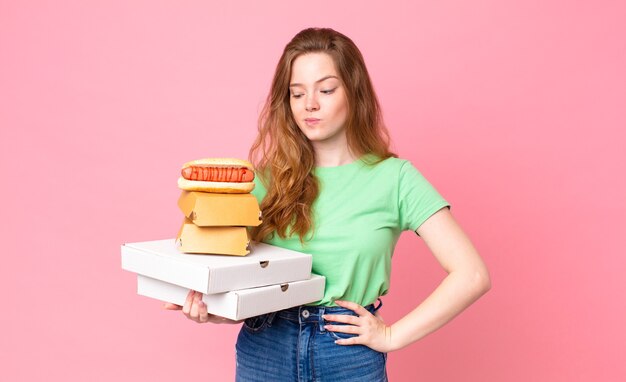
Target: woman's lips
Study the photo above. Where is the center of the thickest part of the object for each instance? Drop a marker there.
(311, 121)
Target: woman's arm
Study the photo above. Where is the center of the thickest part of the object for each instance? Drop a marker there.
(467, 280)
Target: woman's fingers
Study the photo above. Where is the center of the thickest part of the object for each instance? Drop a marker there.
(196, 310)
(350, 329)
(369, 329)
(203, 315)
(343, 318)
(358, 309)
(188, 302)
(350, 341)
(193, 313)
(170, 306)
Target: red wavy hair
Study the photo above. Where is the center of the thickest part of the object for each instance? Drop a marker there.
(283, 156)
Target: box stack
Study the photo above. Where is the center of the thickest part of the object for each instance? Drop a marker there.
(213, 254)
(270, 278)
(217, 223)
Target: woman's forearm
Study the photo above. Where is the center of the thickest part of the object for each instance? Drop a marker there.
(455, 293)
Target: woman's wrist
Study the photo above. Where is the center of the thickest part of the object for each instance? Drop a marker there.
(394, 339)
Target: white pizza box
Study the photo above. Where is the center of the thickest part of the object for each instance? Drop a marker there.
(265, 265)
(240, 304)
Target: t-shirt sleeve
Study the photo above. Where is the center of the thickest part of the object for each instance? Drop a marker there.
(417, 198)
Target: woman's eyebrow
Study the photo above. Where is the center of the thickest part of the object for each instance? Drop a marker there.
(318, 81)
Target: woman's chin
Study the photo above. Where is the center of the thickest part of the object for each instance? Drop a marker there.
(321, 136)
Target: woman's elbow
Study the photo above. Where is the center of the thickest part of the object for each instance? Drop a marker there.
(481, 281)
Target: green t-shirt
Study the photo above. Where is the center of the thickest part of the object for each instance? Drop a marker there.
(358, 217)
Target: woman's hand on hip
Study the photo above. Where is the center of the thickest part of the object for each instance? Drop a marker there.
(195, 309)
(370, 330)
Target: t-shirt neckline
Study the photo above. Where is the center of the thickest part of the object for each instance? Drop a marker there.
(340, 168)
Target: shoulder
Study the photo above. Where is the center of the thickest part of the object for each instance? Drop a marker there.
(390, 165)
(392, 169)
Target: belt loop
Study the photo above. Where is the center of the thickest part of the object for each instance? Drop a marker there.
(320, 313)
(270, 318)
(380, 305)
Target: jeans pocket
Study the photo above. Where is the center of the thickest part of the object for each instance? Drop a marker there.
(256, 324)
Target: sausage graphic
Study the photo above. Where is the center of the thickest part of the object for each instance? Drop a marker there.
(217, 174)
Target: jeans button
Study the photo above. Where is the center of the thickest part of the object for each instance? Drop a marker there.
(305, 313)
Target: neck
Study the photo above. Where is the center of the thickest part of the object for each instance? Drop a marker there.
(332, 157)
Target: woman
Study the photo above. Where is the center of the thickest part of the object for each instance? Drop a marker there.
(329, 186)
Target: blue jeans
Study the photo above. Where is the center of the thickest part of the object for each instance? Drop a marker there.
(292, 345)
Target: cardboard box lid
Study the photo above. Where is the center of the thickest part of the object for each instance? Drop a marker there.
(265, 265)
(233, 241)
(211, 209)
(240, 304)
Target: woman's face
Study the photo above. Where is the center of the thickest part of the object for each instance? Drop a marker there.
(318, 99)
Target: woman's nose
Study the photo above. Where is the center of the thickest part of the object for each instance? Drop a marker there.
(311, 104)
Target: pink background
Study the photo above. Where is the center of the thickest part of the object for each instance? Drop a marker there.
(516, 112)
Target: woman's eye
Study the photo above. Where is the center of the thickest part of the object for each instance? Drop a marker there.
(296, 95)
(329, 91)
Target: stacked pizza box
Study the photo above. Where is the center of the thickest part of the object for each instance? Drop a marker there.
(270, 278)
(213, 254)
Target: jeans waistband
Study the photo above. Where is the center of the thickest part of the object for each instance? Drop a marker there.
(313, 314)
